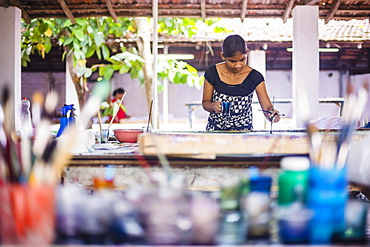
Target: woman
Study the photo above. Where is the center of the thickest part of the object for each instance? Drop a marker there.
(122, 111)
(234, 81)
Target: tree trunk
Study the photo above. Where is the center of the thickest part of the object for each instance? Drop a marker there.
(144, 47)
(77, 81)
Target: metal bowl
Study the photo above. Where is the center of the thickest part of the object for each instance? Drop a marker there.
(127, 135)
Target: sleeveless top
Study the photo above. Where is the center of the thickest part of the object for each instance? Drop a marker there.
(240, 97)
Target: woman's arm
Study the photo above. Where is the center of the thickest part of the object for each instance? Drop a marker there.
(207, 103)
(266, 104)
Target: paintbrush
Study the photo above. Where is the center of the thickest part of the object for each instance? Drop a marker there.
(150, 115)
(353, 110)
(270, 112)
(272, 118)
(116, 112)
(43, 138)
(10, 154)
(315, 143)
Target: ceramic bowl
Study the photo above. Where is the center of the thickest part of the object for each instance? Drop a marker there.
(127, 135)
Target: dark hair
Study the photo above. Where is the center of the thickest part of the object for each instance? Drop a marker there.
(234, 45)
(118, 90)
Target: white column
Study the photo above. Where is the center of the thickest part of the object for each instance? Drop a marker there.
(155, 53)
(305, 64)
(72, 97)
(10, 58)
(165, 94)
(257, 60)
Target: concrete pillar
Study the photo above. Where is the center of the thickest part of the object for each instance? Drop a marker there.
(257, 60)
(72, 97)
(305, 64)
(10, 59)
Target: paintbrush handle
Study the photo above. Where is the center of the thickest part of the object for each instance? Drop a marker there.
(115, 114)
(281, 114)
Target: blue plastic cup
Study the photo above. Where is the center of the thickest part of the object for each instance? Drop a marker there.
(225, 106)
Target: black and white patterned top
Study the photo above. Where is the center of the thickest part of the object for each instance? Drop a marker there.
(240, 97)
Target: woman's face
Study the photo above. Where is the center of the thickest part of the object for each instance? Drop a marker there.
(118, 96)
(236, 63)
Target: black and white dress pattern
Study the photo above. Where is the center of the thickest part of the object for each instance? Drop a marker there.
(239, 116)
(240, 97)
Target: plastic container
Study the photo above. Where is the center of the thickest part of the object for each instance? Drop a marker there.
(66, 121)
(25, 125)
(293, 176)
(327, 197)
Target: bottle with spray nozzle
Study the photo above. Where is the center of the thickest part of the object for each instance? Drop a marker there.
(66, 121)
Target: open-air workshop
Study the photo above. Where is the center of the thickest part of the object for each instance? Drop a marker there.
(184, 123)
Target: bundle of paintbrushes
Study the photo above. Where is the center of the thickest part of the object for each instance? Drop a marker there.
(328, 149)
(41, 158)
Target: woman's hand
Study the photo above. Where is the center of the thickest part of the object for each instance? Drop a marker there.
(274, 116)
(217, 108)
(212, 106)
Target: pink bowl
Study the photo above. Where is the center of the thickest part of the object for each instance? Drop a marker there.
(127, 135)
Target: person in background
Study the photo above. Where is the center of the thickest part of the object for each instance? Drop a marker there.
(234, 81)
(122, 111)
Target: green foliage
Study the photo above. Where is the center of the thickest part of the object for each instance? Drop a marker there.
(89, 36)
(175, 26)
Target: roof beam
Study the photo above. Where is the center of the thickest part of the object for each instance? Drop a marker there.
(244, 9)
(67, 11)
(111, 10)
(203, 9)
(333, 9)
(309, 2)
(288, 10)
(25, 15)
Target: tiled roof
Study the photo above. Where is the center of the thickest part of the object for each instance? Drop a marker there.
(273, 29)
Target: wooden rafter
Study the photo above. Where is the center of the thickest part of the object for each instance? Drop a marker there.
(67, 11)
(244, 9)
(25, 15)
(203, 9)
(311, 2)
(111, 10)
(288, 10)
(333, 9)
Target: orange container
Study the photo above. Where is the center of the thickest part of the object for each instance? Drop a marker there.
(27, 214)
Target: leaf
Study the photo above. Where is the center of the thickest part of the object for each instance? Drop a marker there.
(90, 51)
(43, 27)
(98, 53)
(66, 23)
(88, 73)
(90, 29)
(76, 45)
(40, 46)
(99, 39)
(81, 21)
(101, 70)
(81, 71)
(124, 69)
(80, 35)
(68, 41)
(108, 73)
(106, 51)
(48, 32)
(47, 44)
(116, 66)
(191, 68)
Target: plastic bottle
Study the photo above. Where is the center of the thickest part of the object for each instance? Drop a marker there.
(64, 120)
(25, 126)
(72, 115)
(294, 173)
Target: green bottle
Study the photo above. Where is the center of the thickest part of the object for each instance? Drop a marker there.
(293, 175)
